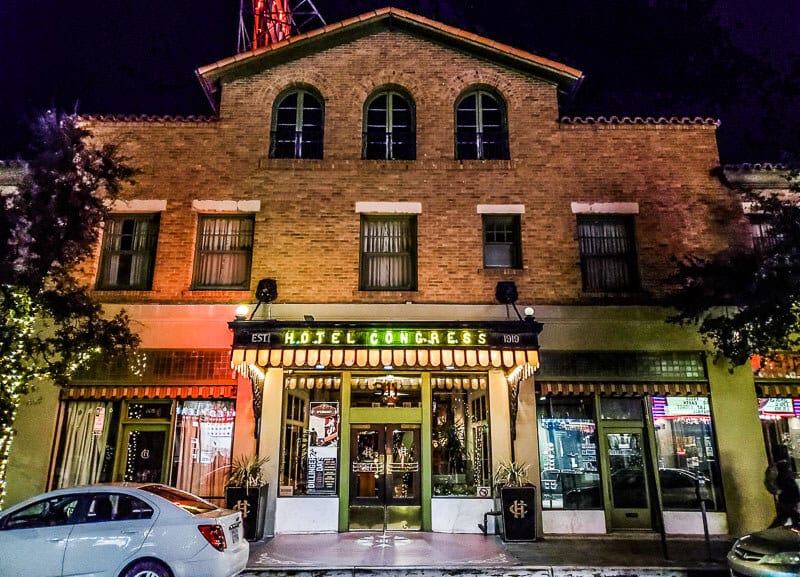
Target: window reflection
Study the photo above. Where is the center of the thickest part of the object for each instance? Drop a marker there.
(568, 454)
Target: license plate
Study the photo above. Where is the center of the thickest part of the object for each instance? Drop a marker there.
(234, 529)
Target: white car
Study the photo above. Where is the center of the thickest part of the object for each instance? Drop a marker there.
(121, 530)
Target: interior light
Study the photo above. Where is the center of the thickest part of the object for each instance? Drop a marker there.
(388, 367)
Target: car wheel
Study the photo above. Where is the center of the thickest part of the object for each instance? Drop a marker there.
(147, 569)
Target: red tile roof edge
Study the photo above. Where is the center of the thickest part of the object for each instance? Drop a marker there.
(147, 118)
(639, 120)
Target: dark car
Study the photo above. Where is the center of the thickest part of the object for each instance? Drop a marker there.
(678, 490)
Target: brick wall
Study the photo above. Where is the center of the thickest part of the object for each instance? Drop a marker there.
(307, 229)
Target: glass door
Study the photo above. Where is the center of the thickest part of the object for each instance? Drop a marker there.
(627, 478)
(144, 458)
(385, 492)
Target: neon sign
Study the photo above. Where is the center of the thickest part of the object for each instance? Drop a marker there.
(456, 335)
(329, 337)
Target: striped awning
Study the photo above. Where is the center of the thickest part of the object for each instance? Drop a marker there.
(115, 393)
(621, 389)
(378, 358)
(778, 389)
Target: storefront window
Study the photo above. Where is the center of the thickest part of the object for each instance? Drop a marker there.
(460, 429)
(202, 446)
(780, 422)
(88, 443)
(686, 451)
(570, 478)
(310, 444)
(386, 390)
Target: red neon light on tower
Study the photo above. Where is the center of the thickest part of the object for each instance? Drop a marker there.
(271, 22)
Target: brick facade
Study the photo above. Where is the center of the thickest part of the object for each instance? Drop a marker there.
(307, 230)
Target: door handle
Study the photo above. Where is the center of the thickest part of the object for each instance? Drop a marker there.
(129, 531)
(55, 539)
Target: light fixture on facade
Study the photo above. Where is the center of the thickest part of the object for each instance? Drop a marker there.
(308, 318)
(506, 294)
(266, 292)
(241, 312)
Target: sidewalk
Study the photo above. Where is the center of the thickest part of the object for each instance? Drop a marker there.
(418, 554)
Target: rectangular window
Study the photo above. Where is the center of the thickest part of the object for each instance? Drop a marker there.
(780, 423)
(687, 456)
(460, 458)
(570, 477)
(310, 446)
(202, 447)
(388, 253)
(608, 253)
(128, 253)
(762, 233)
(224, 252)
(501, 241)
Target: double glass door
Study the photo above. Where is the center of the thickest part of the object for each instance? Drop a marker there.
(385, 492)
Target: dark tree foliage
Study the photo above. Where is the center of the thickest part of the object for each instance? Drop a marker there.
(50, 326)
(746, 302)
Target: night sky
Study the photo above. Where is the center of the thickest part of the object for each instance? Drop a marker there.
(139, 57)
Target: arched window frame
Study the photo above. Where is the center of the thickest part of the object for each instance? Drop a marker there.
(298, 121)
(481, 126)
(389, 132)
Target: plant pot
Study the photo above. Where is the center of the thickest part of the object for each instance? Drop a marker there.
(252, 503)
(518, 521)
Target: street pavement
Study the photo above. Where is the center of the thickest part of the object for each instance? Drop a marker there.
(419, 554)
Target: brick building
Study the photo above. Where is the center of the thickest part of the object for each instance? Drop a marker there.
(441, 275)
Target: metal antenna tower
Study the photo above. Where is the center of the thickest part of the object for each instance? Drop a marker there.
(274, 20)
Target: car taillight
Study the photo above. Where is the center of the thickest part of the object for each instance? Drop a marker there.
(214, 535)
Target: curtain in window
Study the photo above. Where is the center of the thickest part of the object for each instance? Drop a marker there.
(84, 449)
(128, 252)
(388, 253)
(225, 246)
(203, 442)
(607, 253)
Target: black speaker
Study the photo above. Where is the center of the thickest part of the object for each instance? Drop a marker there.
(267, 290)
(506, 292)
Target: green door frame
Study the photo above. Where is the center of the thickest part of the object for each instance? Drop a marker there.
(615, 519)
(395, 415)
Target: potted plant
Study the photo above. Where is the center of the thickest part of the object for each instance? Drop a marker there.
(246, 492)
(517, 501)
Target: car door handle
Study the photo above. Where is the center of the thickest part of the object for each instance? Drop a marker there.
(129, 531)
(55, 540)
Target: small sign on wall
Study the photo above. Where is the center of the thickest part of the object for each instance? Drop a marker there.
(286, 491)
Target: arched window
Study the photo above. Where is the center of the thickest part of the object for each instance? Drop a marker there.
(481, 128)
(389, 127)
(297, 125)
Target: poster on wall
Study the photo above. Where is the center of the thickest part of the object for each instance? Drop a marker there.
(323, 448)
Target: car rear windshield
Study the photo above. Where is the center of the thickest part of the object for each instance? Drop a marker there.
(182, 499)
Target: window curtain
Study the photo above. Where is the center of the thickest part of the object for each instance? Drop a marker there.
(84, 448)
(224, 251)
(387, 248)
(128, 251)
(606, 248)
(203, 443)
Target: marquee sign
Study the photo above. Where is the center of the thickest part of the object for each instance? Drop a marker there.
(274, 334)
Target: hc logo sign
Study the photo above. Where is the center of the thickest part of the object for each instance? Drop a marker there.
(243, 507)
(519, 509)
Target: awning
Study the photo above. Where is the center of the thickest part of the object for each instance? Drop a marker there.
(621, 389)
(778, 389)
(115, 393)
(436, 358)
